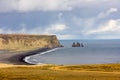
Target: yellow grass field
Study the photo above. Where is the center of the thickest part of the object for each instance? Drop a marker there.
(60, 72)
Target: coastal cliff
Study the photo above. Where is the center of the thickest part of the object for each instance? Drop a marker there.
(26, 42)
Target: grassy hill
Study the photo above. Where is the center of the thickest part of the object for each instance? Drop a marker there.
(26, 42)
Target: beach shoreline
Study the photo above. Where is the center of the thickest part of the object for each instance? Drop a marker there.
(13, 66)
(17, 58)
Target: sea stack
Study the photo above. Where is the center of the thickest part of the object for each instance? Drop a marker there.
(73, 45)
(77, 44)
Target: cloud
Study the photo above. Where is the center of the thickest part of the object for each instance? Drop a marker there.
(107, 13)
(33, 5)
(60, 15)
(1, 31)
(9, 31)
(112, 26)
(23, 30)
(65, 36)
(64, 18)
(46, 5)
(55, 28)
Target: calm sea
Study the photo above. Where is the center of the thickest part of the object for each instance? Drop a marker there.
(93, 52)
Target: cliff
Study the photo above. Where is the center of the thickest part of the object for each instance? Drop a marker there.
(23, 42)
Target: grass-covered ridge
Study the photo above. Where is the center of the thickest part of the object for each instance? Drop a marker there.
(27, 42)
(61, 72)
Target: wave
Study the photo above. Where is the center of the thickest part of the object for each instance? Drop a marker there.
(26, 59)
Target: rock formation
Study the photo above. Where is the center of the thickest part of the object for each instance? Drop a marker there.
(77, 44)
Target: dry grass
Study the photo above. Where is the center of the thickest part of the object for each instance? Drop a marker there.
(55, 72)
(21, 42)
(97, 67)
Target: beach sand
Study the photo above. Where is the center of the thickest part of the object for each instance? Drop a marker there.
(17, 57)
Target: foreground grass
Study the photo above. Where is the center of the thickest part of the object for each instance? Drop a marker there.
(53, 72)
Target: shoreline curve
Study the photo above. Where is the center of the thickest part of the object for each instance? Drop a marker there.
(17, 58)
(41, 53)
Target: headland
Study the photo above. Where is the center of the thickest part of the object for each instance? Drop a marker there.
(15, 47)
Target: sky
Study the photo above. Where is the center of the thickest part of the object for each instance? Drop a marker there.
(68, 19)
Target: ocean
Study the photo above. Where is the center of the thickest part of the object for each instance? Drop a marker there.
(93, 52)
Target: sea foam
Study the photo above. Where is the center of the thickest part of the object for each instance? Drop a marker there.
(26, 59)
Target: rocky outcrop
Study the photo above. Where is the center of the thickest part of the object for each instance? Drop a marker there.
(77, 44)
(22, 41)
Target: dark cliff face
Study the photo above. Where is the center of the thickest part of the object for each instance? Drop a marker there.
(19, 42)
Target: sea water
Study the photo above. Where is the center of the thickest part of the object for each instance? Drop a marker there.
(93, 52)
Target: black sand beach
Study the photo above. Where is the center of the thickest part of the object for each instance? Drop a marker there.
(16, 58)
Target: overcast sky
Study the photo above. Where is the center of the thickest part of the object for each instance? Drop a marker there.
(68, 19)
